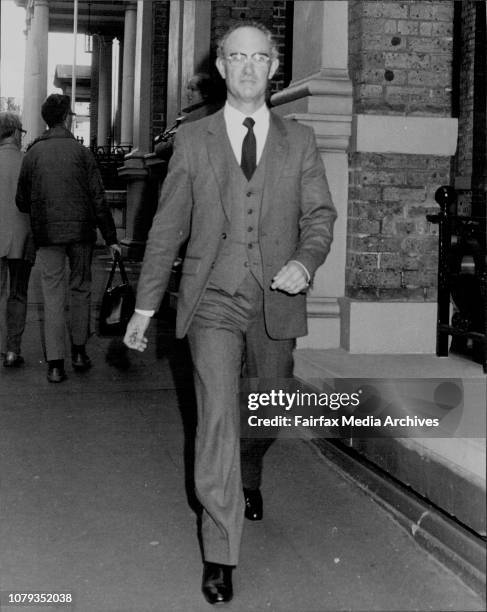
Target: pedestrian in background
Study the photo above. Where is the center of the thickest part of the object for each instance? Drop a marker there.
(203, 100)
(17, 251)
(61, 188)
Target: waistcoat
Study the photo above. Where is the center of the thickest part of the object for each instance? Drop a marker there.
(240, 252)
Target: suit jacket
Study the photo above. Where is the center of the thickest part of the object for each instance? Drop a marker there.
(296, 220)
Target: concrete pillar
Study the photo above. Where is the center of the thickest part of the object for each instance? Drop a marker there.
(320, 95)
(35, 79)
(117, 120)
(128, 61)
(134, 168)
(189, 49)
(104, 91)
(27, 102)
(95, 65)
(142, 78)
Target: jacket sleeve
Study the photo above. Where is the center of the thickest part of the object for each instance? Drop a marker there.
(170, 227)
(22, 198)
(318, 213)
(103, 215)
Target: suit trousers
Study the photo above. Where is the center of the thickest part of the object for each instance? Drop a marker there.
(14, 284)
(224, 328)
(52, 261)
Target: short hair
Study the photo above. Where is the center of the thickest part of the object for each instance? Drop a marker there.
(247, 23)
(9, 122)
(55, 109)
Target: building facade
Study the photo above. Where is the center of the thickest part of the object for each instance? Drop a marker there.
(389, 89)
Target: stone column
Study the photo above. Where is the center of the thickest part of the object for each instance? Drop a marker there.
(104, 91)
(117, 90)
(35, 90)
(320, 95)
(134, 168)
(26, 102)
(95, 65)
(128, 62)
(189, 49)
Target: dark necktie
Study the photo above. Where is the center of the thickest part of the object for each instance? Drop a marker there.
(249, 149)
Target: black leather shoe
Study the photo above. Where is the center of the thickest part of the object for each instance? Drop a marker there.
(254, 509)
(217, 583)
(80, 360)
(55, 374)
(13, 360)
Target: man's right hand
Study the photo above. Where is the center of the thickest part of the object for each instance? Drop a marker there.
(135, 335)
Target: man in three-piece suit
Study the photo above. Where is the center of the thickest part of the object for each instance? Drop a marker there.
(249, 191)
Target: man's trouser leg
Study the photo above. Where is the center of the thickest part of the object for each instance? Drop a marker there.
(216, 343)
(80, 255)
(52, 261)
(3, 303)
(19, 270)
(268, 366)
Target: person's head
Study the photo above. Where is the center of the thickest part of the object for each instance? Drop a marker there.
(247, 59)
(11, 128)
(199, 88)
(56, 110)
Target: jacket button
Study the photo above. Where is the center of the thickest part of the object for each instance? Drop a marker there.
(250, 211)
(250, 229)
(246, 264)
(224, 236)
(248, 194)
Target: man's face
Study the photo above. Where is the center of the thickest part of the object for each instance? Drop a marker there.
(246, 81)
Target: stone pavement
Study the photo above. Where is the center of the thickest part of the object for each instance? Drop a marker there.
(95, 499)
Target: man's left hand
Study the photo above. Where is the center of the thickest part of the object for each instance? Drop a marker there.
(291, 279)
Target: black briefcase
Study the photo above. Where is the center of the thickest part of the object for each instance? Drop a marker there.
(117, 304)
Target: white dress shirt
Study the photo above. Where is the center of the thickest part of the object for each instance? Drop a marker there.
(237, 131)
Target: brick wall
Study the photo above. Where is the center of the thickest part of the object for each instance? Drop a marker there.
(466, 90)
(400, 58)
(464, 157)
(271, 13)
(392, 249)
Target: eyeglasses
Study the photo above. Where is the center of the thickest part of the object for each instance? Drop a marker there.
(258, 58)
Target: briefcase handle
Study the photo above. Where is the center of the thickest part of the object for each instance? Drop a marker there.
(117, 261)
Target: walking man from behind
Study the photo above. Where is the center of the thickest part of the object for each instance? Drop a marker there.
(61, 188)
(249, 191)
(17, 252)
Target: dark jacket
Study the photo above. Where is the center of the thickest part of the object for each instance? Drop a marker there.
(61, 187)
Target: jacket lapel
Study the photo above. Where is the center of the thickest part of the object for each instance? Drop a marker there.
(275, 151)
(217, 153)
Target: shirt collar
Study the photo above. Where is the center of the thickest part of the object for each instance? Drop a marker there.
(235, 116)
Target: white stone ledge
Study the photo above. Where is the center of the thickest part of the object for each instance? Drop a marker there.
(388, 327)
(409, 135)
(324, 83)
